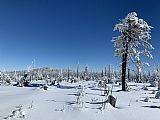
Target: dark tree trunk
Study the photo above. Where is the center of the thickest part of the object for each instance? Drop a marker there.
(124, 57)
(109, 72)
(77, 71)
(105, 73)
(128, 74)
(102, 74)
(68, 75)
(124, 65)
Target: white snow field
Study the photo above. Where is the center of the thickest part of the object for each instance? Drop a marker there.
(70, 102)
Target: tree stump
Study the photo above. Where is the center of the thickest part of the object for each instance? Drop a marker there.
(112, 100)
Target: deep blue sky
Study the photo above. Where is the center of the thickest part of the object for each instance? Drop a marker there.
(59, 33)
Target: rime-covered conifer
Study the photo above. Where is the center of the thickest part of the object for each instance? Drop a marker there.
(134, 35)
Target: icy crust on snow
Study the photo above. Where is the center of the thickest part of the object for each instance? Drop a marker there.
(78, 101)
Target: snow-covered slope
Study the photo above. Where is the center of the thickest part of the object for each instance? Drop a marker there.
(78, 101)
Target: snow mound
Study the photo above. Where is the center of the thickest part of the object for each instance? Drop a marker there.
(108, 106)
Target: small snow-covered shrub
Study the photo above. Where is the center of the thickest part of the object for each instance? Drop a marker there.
(80, 96)
(153, 92)
(45, 87)
(157, 96)
(144, 88)
(8, 81)
(153, 83)
(158, 85)
(17, 113)
(147, 99)
(58, 85)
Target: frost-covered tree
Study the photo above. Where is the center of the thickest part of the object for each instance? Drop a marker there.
(134, 36)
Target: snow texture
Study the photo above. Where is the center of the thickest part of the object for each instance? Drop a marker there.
(33, 103)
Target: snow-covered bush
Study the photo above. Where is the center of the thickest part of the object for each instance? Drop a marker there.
(144, 88)
(80, 100)
(17, 113)
(157, 96)
(153, 83)
(158, 84)
(147, 99)
(45, 87)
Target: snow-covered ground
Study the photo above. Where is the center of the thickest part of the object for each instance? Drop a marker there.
(33, 103)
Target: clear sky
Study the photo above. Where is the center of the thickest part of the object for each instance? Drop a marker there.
(59, 33)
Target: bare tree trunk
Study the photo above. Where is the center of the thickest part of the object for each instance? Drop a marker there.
(78, 71)
(109, 73)
(124, 58)
(138, 75)
(128, 74)
(124, 62)
(68, 74)
(102, 74)
(138, 71)
(105, 73)
(124, 66)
